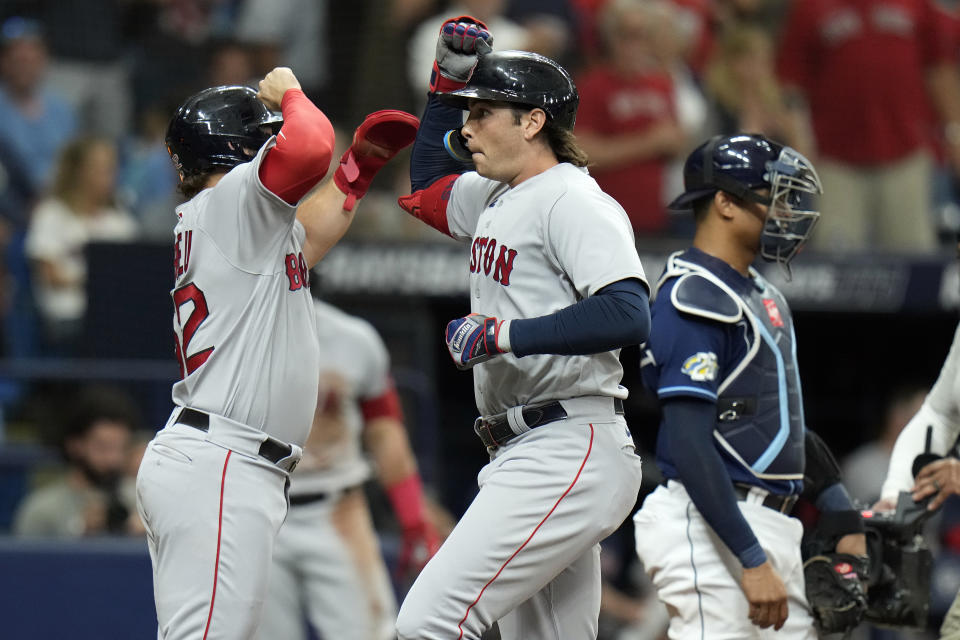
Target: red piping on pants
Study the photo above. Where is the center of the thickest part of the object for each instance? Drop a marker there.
(530, 537)
(216, 566)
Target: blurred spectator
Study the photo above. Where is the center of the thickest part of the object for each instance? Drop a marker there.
(289, 33)
(86, 500)
(87, 46)
(873, 73)
(550, 25)
(507, 34)
(80, 209)
(744, 92)
(627, 122)
(866, 467)
(230, 63)
(147, 181)
(766, 15)
(35, 121)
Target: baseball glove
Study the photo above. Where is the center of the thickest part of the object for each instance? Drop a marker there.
(835, 591)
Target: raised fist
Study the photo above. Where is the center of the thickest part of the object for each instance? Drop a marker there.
(274, 85)
(462, 41)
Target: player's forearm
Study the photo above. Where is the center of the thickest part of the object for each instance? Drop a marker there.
(616, 316)
(612, 151)
(324, 219)
(910, 443)
(386, 440)
(702, 472)
(303, 151)
(429, 160)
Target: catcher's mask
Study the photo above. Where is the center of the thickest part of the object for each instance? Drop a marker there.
(742, 165)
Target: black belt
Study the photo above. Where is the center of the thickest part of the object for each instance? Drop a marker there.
(308, 498)
(320, 496)
(270, 449)
(496, 432)
(774, 501)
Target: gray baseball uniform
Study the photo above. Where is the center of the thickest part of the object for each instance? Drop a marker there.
(526, 553)
(211, 487)
(327, 563)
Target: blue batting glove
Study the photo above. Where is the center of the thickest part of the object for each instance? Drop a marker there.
(473, 339)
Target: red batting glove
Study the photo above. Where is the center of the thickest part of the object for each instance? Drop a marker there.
(380, 137)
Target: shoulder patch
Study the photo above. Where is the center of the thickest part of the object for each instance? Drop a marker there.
(698, 295)
(701, 366)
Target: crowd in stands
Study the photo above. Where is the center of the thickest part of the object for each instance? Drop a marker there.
(869, 89)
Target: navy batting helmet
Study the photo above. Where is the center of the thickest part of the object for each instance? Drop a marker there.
(755, 168)
(524, 78)
(219, 127)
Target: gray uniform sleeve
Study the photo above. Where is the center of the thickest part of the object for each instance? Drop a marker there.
(471, 194)
(589, 236)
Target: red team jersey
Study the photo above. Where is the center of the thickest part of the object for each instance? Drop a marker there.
(612, 105)
(861, 64)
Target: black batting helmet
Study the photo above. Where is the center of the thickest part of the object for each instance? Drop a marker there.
(524, 78)
(219, 127)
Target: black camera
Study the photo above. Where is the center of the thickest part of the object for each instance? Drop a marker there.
(898, 580)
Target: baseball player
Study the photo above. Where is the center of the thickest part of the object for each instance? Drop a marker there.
(933, 473)
(556, 288)
(212, 484)
(725, 556)
(327, 564)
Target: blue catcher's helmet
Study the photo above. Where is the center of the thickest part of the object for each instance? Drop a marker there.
(743, 165)
(219, 127)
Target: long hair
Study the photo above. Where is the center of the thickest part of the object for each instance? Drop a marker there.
(561, 141)
(68, 181)
(192, 185)
(564, 145)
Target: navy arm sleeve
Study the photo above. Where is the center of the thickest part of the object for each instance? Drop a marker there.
(616, 316)
(429, 160)
(690, 422)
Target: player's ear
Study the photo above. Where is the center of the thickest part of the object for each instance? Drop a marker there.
(724, 203)
(533, 123)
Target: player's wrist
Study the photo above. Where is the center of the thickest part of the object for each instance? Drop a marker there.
(503, 337)
(440, 83)
(753, 556)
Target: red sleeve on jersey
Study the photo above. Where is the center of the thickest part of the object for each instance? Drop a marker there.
(303, 151)
(386, 405)
(430, 204)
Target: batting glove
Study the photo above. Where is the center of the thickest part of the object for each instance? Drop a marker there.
(462, 41)
(475, 338)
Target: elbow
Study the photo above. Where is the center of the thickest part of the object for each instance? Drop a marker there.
(319, 142)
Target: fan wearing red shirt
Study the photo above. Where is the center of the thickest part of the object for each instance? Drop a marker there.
(876, 74)
(627, 119)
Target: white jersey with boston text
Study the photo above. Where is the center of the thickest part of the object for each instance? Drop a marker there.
(243, 315)
(547, 243)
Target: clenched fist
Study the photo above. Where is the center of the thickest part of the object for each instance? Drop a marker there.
(462, 41)
(274, 85)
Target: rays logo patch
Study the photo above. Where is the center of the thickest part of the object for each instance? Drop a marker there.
(701, 366)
